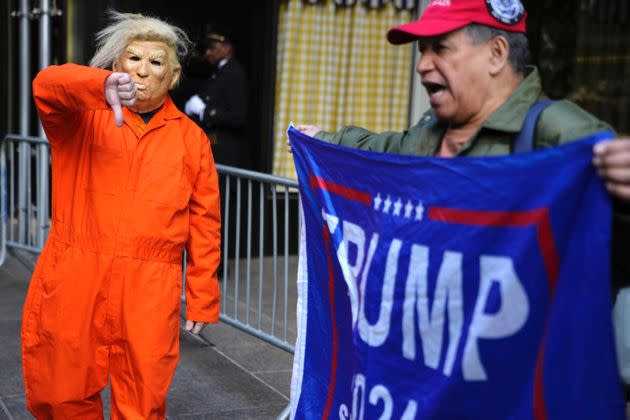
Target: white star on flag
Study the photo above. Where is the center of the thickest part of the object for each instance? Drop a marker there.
(419, 211)
(377, 201)
(408, 209)
(397, 206)
(388, 204)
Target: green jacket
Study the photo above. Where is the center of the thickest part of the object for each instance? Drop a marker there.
(561, 122)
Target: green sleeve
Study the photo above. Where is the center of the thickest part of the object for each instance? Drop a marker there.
(360, 138)
(565, 121)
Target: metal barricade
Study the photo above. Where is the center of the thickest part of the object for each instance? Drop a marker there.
(27, 191)
(270, 292)
(259, 252)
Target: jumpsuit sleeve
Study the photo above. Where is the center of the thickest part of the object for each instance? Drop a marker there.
(63, 94)
(204, 242)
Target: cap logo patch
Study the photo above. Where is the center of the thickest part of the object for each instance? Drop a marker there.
(443, 3)
(508, 12)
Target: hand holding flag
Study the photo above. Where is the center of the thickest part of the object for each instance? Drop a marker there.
(612, 160)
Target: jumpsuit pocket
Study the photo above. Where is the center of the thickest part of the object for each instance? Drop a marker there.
(105, 170)
(165, 306)
(166, 184)
(50, 275)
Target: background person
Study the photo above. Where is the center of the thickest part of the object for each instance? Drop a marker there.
(220, 106)
(134, 184)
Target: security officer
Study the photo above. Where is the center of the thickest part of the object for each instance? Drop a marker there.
(220, 107)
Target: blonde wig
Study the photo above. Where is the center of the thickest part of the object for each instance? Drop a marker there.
(127, 27)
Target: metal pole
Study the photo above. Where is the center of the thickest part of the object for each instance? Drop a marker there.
(274, 209)
(285, 320)
(261, 246)
(43, 162)
(237, 250)
(3, 203)
(25, 95)
(249, 247)
(226, 230)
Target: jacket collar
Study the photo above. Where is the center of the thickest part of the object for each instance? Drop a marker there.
(511, 114)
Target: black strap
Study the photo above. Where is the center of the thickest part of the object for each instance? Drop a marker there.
(525, 140)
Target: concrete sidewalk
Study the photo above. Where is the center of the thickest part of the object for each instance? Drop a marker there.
(227, 375)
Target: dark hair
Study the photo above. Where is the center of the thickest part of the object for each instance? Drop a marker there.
(519, 57)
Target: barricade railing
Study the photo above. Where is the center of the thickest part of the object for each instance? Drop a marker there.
(260, 220)
(27, 193)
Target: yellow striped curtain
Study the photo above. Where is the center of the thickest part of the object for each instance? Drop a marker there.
(335, 68)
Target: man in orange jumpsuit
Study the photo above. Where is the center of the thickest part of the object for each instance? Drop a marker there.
(134, 183)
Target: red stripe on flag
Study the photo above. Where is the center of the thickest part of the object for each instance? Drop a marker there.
(540, 407)
(341, 190)
(549, 252)
(485, 218)
(335, 341)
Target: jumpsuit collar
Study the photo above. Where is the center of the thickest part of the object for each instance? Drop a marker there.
(168, 111)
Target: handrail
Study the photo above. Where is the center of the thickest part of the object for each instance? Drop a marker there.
(28, 139)
(256, 176)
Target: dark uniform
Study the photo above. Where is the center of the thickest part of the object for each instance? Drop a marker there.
(225, 117)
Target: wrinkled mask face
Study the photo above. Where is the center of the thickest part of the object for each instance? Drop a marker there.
(151, 69)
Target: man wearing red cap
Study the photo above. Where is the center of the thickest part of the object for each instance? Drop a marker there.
(474, 65)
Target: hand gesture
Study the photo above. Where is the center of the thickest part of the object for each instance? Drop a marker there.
(119, 90)
(612, 160)
(309, 130)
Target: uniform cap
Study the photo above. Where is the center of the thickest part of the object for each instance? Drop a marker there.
(215, 37)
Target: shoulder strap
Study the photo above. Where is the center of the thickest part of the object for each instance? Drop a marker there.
(524, 142)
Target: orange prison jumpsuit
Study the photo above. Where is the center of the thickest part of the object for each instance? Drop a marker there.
(105, 294)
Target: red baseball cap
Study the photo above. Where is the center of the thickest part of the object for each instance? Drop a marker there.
(443, 16)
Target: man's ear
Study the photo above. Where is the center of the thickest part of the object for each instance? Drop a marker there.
(499, 54)
(175, 80)
(115, 65)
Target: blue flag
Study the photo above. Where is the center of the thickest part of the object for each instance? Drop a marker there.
(468, 288)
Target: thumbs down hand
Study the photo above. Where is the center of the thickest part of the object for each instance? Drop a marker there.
(119, 90)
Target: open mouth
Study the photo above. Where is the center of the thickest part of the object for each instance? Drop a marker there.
(433, 88)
